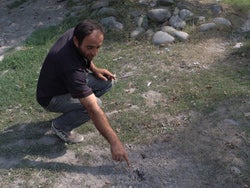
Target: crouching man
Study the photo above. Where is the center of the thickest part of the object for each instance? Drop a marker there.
(71, 84)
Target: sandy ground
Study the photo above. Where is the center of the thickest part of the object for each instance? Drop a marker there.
(209, 151)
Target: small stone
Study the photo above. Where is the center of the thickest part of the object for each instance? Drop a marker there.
(107, 182)
(186, 14)
(246, 25)
(1, 57)
(99, 4)
(207, 26)
(177, 22)
(172, 31)
(238, 45)
(105, 11)
(137, 32)
(222, 21)
(176, 11)
(198, 20)
(165, 2)
(168, 29)
(235, 170)
(247, 114)
(181, 35)
(142, 21)
(159, 15)
(216, 9)
(161, 38)
(111, 23)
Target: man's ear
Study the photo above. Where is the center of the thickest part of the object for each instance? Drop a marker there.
(75, 40)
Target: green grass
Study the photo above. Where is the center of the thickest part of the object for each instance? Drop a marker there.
(20, 70)
(19, 73)
(239, 3)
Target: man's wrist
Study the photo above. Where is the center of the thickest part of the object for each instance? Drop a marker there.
(92, 67)
(114, 140)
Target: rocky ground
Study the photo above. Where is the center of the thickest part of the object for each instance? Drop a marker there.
(220, 156)
(18, 23)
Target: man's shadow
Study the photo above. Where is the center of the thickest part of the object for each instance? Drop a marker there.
(26, 145)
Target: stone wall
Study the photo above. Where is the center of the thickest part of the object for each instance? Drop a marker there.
(170, 16)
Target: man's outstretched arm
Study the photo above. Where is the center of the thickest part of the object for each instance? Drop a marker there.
(102, 124)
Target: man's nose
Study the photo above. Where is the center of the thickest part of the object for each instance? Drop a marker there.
(94, 52)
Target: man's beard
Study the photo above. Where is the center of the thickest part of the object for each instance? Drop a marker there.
(90, 58)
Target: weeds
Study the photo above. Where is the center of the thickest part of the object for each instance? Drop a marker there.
(243, 4)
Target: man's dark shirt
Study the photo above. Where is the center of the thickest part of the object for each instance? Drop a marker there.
(64, 71)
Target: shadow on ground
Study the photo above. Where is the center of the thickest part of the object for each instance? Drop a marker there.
(22, 141)
(25, 146)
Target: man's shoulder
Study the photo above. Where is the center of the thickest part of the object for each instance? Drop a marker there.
(64, 42)
(68, 33)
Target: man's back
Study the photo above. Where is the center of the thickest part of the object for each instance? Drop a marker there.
(58, 67)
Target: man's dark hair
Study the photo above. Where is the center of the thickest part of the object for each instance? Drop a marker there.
(85, 28)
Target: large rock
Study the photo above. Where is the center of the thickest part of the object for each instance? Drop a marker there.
(246, 25)
(111, 23)
(207, 26)
(151, 3)
(216, 9)
(161, 38)
(177, 22)
(186, 14)
(99, 4)
(159, 15)
(222, 22)
(165, 2)
(172, 31)
(141, 21)
(106, 11)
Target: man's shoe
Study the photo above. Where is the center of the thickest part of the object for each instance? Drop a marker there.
(69, 137)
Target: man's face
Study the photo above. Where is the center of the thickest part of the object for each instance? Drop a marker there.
(90, 44)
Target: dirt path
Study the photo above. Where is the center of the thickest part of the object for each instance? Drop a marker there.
(209, 151)
(18, 23)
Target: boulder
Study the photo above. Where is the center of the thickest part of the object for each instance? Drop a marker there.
(111, 23)
(161, 38)
(172, 31)
(222, 21)
(159, 15)
(177, 22)
(207, 26)
(165, 2)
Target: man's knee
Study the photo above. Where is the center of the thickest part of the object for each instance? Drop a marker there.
(99, 101)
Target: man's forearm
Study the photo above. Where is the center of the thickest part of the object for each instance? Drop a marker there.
(92, 67)
(102, 125)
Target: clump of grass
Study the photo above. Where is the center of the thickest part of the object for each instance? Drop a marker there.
(243, 51)
(241, 3)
